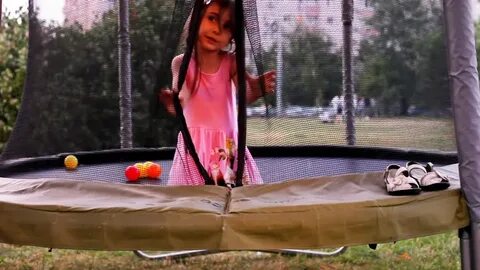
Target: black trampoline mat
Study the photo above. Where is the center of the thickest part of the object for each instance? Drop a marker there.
(272, 169)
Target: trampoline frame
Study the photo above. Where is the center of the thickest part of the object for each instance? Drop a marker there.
(285, 252)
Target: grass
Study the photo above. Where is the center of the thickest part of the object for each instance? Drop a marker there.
(432, 252)
(407, 132)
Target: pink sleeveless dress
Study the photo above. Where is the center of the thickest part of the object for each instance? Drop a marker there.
(211, 116)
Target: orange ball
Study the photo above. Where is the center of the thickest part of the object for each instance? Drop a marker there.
(154, 171)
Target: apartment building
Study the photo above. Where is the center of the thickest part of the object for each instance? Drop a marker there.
(86, 13)
(324, 16)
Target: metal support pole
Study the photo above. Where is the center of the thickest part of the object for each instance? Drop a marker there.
(464, 235)
(475, 245)
(347, 18)
(124, 75)
(279, 79)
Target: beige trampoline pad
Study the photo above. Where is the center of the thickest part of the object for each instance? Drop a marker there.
(339, 211)
(95, 215)
(329, 211)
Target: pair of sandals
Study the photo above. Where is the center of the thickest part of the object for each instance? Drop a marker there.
(413, 178)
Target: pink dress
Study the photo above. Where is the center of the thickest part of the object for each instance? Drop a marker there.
(211, 116)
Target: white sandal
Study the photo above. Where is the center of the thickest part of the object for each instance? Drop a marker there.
(427, 177)
(398, 181)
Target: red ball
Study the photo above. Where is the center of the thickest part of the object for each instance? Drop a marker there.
(154, 171)
(132, 173)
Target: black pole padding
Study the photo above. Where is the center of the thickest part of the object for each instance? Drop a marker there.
(239, 37)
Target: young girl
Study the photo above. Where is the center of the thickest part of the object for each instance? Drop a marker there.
(208, 101)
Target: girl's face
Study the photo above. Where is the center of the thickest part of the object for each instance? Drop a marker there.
(215, 30)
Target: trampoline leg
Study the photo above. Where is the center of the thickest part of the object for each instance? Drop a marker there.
(191, 253)
(465, 252)
(475, 245)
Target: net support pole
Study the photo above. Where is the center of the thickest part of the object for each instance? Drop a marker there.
(124, 75)
(242, 96)
(347, 19)
(279, 78)
(465, 96)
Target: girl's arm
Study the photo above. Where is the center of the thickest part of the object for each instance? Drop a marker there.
(166, 95)
(254, 91)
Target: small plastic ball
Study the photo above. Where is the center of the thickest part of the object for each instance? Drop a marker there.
(142, 169)
(154, 171)
(147, 163)
(132, 173)
(70, 162)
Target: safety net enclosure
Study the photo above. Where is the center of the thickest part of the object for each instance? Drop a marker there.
(360, 85)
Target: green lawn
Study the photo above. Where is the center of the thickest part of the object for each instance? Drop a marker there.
(433, 252)
(416, 133)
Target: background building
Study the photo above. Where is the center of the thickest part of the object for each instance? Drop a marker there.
(316, 15)
(86, 13)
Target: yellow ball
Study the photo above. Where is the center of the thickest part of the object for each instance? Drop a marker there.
(142, 168)
(71, 162)
(147, 164)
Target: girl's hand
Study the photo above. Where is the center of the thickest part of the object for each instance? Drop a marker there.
(254, 91)
(165, 96)
(269, 78)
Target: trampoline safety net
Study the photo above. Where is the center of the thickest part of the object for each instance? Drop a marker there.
(374, 78)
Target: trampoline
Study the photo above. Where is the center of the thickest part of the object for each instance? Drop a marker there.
(94, 206)
(326, 194)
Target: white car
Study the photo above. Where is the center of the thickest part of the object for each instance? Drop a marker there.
(328, 115)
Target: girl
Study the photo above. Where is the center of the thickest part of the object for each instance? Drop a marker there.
(208, 102)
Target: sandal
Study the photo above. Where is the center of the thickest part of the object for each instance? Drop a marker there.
(398, 182)
(427, 177)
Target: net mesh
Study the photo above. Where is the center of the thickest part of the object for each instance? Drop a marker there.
(400, 85)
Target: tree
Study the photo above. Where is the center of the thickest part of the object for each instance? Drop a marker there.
(13, 59)
(73, 99)
(312, 69)
(397, 61)
(432, 89)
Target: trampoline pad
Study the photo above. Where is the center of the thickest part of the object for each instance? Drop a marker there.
(328, 211)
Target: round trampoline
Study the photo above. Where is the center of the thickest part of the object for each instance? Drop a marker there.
(93, 207)
(89, 93)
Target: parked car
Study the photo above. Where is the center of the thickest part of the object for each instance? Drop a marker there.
(328, 115)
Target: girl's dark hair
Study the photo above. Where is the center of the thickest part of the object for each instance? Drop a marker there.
(225, 6)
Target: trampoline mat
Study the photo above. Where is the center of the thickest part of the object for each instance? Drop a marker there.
(326, 211)
(272, 169)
